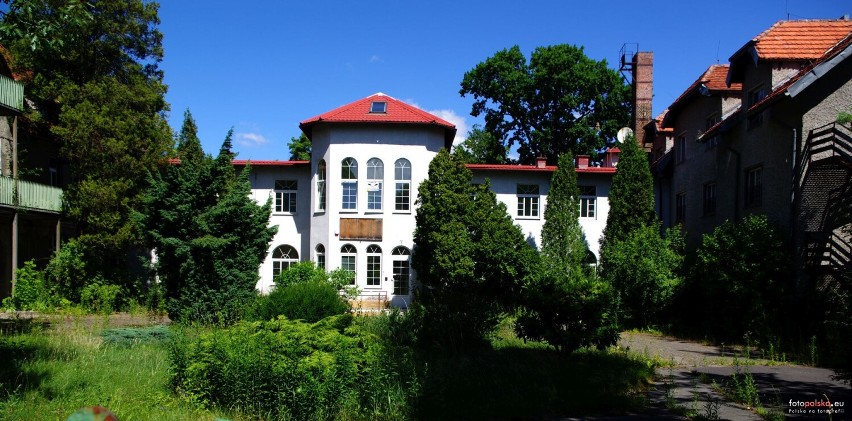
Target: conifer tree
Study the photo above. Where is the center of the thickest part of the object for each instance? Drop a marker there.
(631, 197)
(562, 240)
(209, 235)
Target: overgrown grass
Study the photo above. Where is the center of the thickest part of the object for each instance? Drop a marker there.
(49, 372)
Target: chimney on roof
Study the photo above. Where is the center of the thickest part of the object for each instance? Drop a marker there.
(611, 158)
(540, 162)
(643, 92)
(582, 161)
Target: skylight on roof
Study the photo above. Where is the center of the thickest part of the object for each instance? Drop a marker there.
(379, 107)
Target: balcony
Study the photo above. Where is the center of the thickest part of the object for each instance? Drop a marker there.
(33, 196)
(11, 96)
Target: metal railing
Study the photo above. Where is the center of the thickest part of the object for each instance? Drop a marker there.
(11, 94)
(30, 195)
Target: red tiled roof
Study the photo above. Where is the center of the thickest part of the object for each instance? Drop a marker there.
(533, 168)
(258, 163)
(800, 39)
(713, 79)
(397, 112)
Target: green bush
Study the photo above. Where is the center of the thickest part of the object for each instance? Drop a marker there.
(66, 271)
(286, 369)
(31, 289)
(310, 301)
(100, 297)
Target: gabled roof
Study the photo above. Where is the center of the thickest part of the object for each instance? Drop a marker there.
(254, 163)
(711, 82)
(396, 112)
(534, 168)
(791, 40)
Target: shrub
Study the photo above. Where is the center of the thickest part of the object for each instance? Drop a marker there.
(100, 296)
(31, 290)
(311, 301)
(286, 369)
(66, 271)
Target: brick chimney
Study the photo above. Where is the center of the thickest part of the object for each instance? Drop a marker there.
(540, 162)
(582, 161)
(643, 92)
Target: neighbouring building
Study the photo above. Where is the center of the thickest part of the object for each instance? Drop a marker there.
(760, 136)
(352, 206)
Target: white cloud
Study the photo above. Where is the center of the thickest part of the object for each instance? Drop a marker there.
(375, 59)
(452, 117)
(251, 139)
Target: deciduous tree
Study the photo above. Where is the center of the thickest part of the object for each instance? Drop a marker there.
(559, 101)
(300, 148)
(481, 147)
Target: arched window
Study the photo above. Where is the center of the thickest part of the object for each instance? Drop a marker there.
(401, 270)
(348, 256)
(349, 177)
(374, 265)
(375, 177)
(319, 253)
(321, 174)
(282, 257)
(402, 175)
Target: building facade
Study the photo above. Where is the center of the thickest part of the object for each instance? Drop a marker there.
(352, 206)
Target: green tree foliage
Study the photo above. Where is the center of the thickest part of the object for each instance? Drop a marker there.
(645, 271)
(481, 147)
(631, 197)
(469, 256)
(300, 148)
(566, 305)
(209, 235)
(91, 72)
(559, 101)
(742, 275)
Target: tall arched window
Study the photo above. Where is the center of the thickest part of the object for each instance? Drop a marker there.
(374, 265)
(401, 270)
(319, 253)
(348, 256)
(321, 174)
(375, 177)
(349, 177)
(282, 257)
(402, 175)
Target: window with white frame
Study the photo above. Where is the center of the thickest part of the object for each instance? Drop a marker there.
(528, 199)
(321, 191)
(402, 176)
(375, 179)
(680, 208)
(754, 186)
(588, 201)
(348, 257)
(282, 258)
(401, 257)
(285, 196)
(349, 177)
(374, 265)
(319, 255)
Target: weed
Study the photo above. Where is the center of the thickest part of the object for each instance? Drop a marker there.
(744, 387)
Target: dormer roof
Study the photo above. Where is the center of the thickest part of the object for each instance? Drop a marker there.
(790, 40)
(711, 82)
(380, 109)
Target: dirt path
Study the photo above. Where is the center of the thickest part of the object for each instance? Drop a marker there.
(699, 371)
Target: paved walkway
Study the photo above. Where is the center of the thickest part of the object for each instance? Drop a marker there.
(689, 384)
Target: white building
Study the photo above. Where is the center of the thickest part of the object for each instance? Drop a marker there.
(352, 205)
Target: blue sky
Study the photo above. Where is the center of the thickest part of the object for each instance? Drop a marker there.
(263, 66)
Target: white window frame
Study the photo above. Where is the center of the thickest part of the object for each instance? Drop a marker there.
(402, 190)
(283, 257)
(322, 197)
(375, 181)
(349, 181)
(529, 199)
(349, 257)
(401, 259)
(588, 202)
(286, 192)
(374, 266)
(319, 256)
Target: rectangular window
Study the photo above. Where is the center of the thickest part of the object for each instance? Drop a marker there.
(374, 270)
(754, 96)
(350, 195)
(285, 196)
(400, 277)
(374, 195)
(680, 149)
(680, 207)
(347, 262)
(588, 201)
(714, 119)
(754, 187)
(709, 205)
(402, 201)
(528, 200)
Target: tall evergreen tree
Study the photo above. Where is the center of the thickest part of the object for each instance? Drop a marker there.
(631, 197)
(91, 74)
(468, 255)
(209, 235)
(562, 240)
